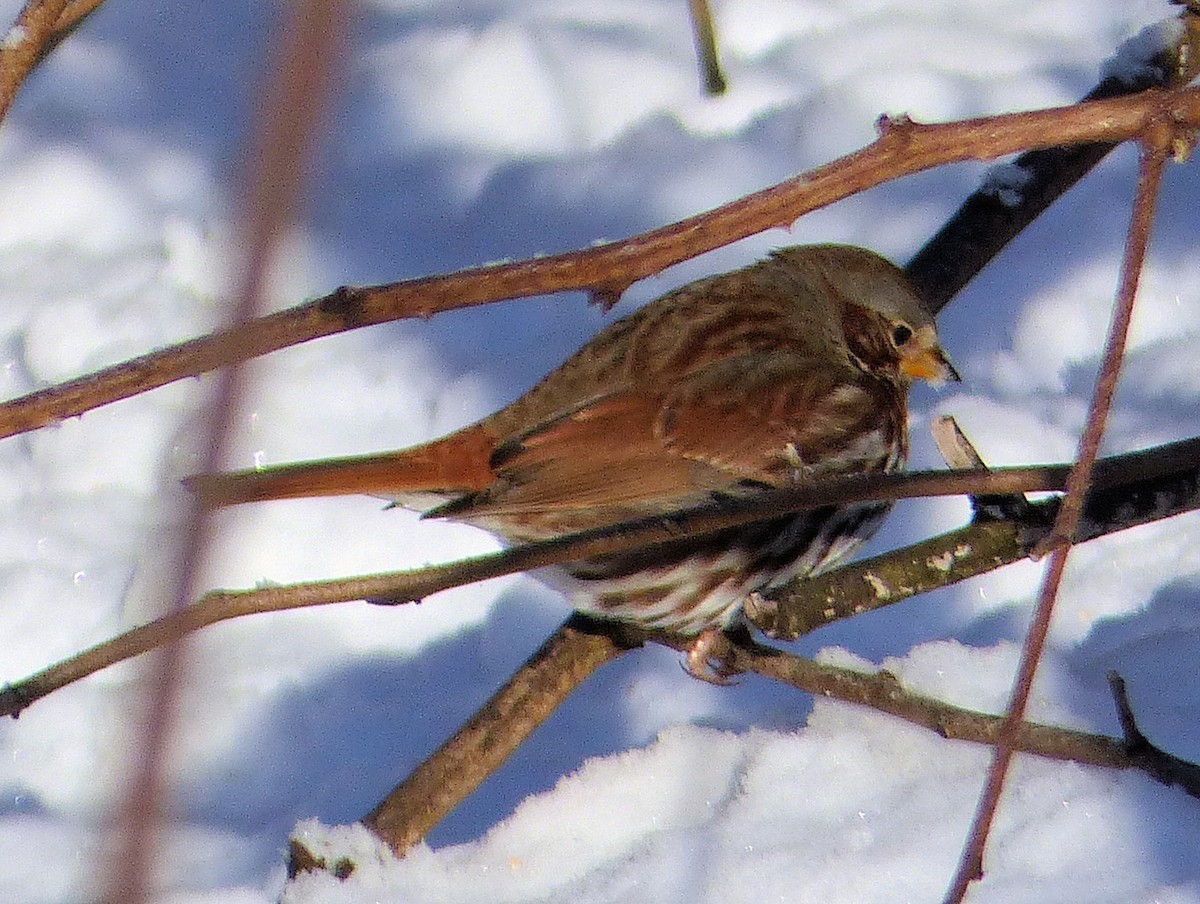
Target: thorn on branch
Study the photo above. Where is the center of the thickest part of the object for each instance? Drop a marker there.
(13, 701)
(344, 304)
(607, 296)
(888, 124)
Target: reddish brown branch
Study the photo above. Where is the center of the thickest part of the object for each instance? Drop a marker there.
(988, 220)
(1155, 149)
(24, 45)
(903, 148)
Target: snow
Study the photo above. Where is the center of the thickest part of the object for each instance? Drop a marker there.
(498, 130)
(1136, 53)
(1007, 182)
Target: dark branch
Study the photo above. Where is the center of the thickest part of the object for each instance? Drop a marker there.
(994, 215)
(1157, 763)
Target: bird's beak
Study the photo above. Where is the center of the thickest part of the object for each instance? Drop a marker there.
(930, 364)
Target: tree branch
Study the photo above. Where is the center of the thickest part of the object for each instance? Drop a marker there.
(903, 148)
(1156, 146)
(498, 728)
(997, 212)
(1137, 488)
(883, 692)
(24, 46)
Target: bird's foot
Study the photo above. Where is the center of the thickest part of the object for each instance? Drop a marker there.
(708, 658)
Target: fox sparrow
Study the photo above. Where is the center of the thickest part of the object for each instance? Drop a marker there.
(789, 370)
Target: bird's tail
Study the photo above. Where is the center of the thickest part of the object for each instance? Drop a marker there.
(455, 464)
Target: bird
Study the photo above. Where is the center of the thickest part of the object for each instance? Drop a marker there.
(787, 372)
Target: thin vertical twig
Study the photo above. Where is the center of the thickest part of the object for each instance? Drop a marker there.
(1155, 148)
(294, 100)
(705, 36)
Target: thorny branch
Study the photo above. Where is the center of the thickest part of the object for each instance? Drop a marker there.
(903, 148)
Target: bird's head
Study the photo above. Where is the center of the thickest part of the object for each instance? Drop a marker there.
(885, 325)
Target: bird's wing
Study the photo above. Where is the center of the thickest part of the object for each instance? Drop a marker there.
(754, 419)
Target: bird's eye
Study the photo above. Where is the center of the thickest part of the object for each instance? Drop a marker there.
(901, 333)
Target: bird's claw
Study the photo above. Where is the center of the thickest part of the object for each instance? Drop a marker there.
(708, 658)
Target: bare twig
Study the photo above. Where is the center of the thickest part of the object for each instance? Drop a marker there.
(903, 148)
(705, 37)
(1176, 463)
(1155, 148)
(1155, 762)
(882, 691)
(1154, 484)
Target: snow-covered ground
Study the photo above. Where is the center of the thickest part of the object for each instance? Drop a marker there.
(501, 129)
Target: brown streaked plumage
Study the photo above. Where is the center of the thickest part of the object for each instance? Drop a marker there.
(790, 370)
